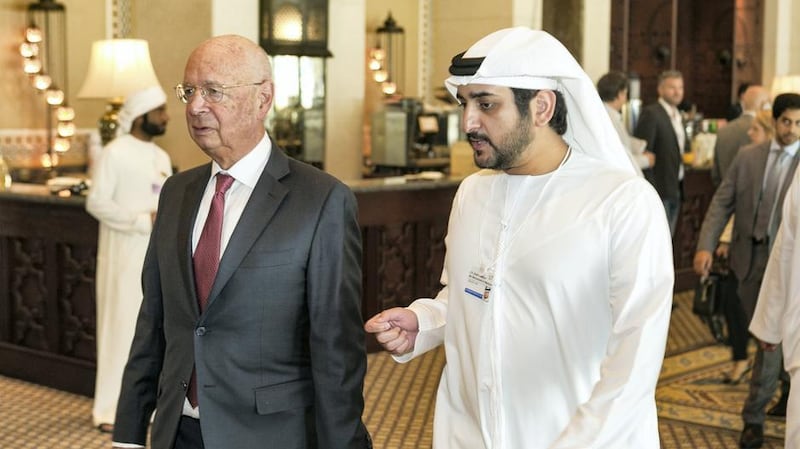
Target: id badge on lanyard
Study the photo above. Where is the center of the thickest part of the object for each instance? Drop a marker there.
(479, 284)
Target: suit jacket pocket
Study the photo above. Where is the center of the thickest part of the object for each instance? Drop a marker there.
(285, 396)
(263, 259)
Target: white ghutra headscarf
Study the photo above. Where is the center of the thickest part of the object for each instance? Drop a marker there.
(532, 59)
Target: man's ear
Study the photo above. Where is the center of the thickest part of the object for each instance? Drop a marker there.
(265, 97)
(544, 104)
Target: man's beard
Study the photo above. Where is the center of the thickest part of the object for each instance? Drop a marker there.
(151, 129)
(786, 139)
(507, 153)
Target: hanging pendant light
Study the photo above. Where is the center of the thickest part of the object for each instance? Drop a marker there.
(391, 50)
(295, 27)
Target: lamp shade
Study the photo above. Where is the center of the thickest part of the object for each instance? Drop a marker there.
(785, 84)
(118, 67)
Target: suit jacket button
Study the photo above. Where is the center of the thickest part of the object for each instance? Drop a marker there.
(184, 385)
(200, 331)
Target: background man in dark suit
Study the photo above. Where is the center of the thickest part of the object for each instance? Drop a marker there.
(746, 191)
(661, 126)
(736, 109)
(267, 349)
(733, 136)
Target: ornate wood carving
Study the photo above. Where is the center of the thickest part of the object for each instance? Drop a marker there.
(76, 301)
(396, 270)
(698, 191)
(29, 294)
(47, 257)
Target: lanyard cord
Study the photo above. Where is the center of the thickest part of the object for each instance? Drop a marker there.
(502, 246)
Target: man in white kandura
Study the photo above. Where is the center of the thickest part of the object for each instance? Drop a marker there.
(126, 182)
(558, 275)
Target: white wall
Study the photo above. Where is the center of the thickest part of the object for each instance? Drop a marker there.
(527, 13)
(596, 30)
(781, 54)
(596, 37)
(226, 18)
(345, 88)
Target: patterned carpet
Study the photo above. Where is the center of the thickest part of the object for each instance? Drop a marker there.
(696, 409)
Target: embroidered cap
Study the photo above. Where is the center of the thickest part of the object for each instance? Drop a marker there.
(137, 104)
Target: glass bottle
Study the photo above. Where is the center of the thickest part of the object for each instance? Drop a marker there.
(5, 175)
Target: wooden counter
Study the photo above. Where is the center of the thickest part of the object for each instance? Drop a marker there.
(48, 247)
(47, 263)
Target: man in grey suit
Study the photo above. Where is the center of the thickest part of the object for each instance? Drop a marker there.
(728, 141)
(734, 135)
(754, 188)
(661, 126)
(250, 331)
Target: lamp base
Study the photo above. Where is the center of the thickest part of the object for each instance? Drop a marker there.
(109, 123)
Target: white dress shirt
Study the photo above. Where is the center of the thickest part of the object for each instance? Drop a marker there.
(677, 125)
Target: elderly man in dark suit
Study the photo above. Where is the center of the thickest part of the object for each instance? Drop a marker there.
(734, 135)
(754, 188)
(661, 125)
(250, 332)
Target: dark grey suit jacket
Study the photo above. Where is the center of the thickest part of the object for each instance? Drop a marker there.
(279, 350)
(655, 127)
(729, 139)
(739, 193)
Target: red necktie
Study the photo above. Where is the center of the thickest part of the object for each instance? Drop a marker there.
(206, 257)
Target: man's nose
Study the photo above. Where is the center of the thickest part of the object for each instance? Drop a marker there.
(196, 104)
(469, 120)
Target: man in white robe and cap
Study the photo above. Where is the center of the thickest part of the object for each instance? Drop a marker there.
(126, 181)
(558, 274)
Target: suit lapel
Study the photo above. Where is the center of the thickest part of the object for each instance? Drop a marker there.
(261, 207)
(787, 179)
(760, 167)
(668, 121)
(189, 207)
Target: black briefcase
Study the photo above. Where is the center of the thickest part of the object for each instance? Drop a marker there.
(707, 305)
(705, 296)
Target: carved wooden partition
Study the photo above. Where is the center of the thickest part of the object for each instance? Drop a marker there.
(697, 193)
(716, 44)
(403, 233)
(47, 309)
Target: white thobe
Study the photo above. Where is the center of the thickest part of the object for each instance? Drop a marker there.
(777, 315)
(126, 182)
(566, 351)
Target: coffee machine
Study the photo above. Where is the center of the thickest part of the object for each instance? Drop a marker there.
(405, 135)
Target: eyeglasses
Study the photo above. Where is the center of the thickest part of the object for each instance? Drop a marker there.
(212, 93)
